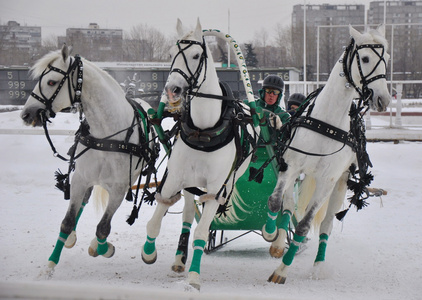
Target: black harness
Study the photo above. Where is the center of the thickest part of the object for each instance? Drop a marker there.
(349, 54)
(76, 66)
(83, 136)
(232, 120)
(355, 138)
(356, 111)
(193, 77)
(214, 138)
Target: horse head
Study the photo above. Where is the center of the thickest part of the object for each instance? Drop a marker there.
(55, 72)
(366, 66)
(189, 57)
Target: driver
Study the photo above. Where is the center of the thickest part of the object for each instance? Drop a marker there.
(270, 98)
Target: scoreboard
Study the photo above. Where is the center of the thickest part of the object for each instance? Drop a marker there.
(16, 85)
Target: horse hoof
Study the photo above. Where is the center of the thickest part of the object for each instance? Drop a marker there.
(48, 272)
(193, 280)
(276, 252)
(71, 240)
(92, 252)
(149, 258)
(178, 269)
(51, 265)
(277, 278)
(110, 251)
(269, 237)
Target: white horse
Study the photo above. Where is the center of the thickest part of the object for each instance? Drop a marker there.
(205, 155)
(361, 69)
(113, 144)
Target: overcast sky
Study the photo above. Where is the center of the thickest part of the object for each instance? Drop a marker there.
(247, 17)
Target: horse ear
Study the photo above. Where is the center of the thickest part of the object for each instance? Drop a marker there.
(179, 28)
(198, 30)
(381, 29)
(354, 33)
(65, 52)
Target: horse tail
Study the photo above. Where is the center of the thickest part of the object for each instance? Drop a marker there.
(306, 190)
(100, 197)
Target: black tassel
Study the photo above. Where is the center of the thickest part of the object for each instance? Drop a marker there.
(256, 175)
(133, 216)
(61, 179)
(340, 215)
(67, 191)
(129, 195)
(222, 210)
(283, 165)
(150, 198)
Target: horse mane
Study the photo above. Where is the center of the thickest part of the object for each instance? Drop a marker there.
(372, 36)
(189, 36)
(38, 68)
(41, 64)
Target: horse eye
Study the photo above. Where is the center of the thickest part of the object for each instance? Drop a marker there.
(196, 56)
(51, 83)
(365, 59)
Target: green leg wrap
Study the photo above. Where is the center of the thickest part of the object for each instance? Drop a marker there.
(149, 246)
(185, 229)
(285, 220)
(55, 256)
(323, 238)
(294, 246)
(198, 250)
(102, 246)
(79, 215)
(270, 226)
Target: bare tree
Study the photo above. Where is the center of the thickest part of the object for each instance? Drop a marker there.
(262, 39)
(283, 41)
(144, 43)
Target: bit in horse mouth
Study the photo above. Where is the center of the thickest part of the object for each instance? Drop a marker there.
(175, 102)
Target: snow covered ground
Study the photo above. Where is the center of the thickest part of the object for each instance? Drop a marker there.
(374, 254)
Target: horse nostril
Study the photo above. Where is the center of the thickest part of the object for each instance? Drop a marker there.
(177, 90)
(25, 116)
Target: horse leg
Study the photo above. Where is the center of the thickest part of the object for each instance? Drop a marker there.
(182, 249)
(200, 238)
(302, 229)
(71, 239)
(334, 205)
(277, 246)
(79, 195)
(99, 245)
(149, 252)
(275, 203)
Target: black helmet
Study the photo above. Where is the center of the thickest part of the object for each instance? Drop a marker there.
(274, 82)
(295, 99)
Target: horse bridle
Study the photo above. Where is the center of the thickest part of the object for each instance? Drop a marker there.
(349, 54)
(193, 77)
(76, 66)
